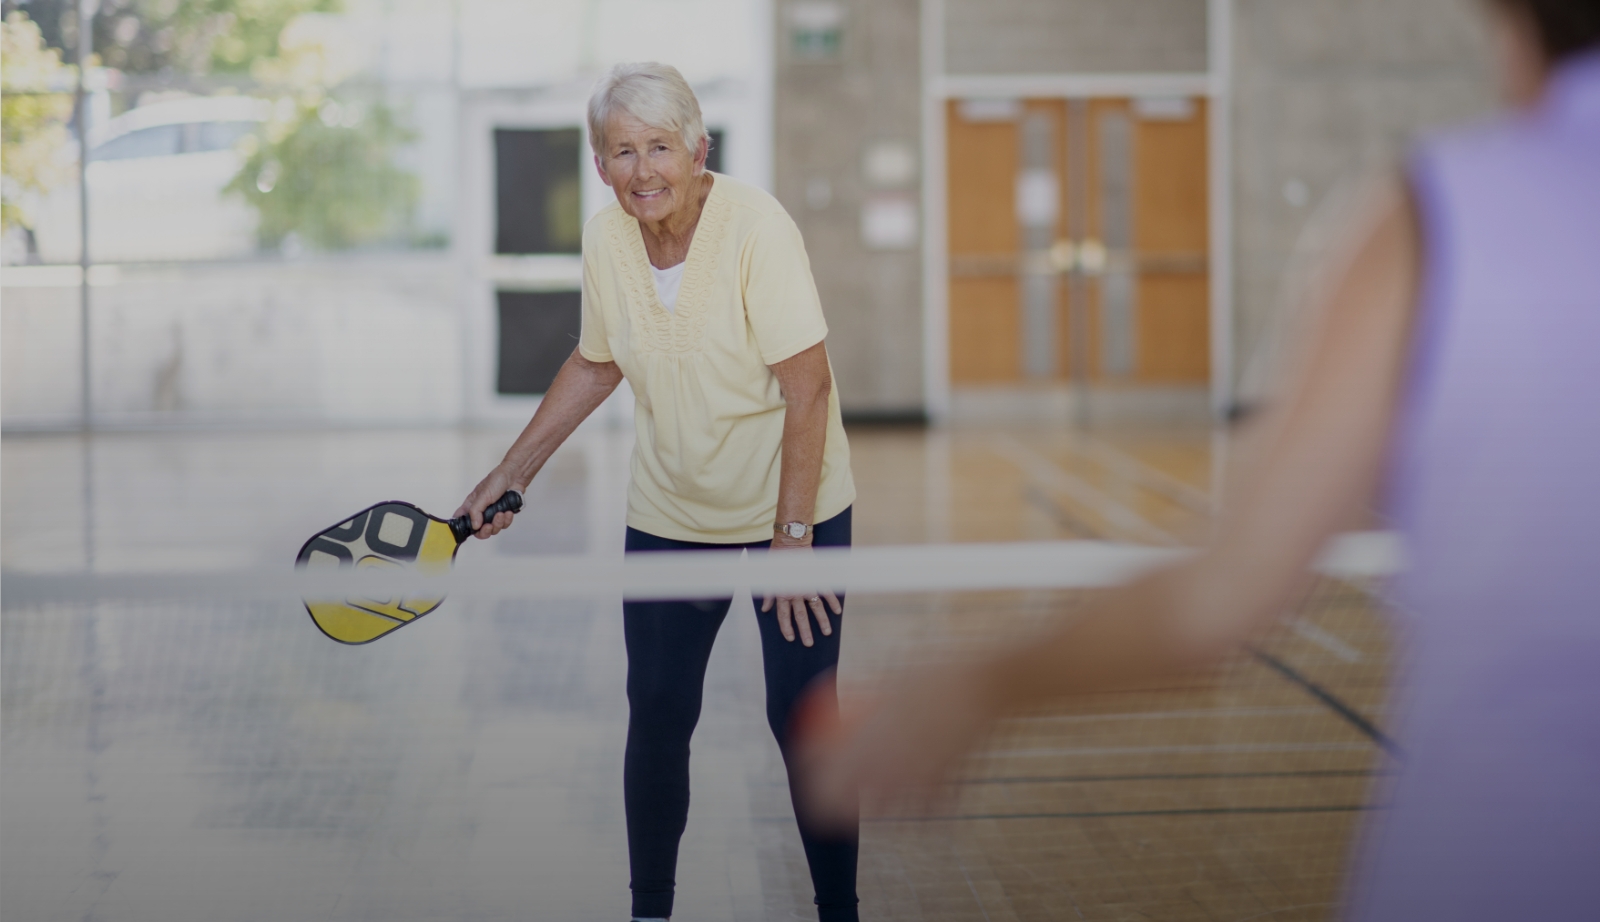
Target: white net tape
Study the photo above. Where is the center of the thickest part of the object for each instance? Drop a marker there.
(909, 568)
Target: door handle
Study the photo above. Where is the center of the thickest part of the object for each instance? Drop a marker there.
(1092, 257)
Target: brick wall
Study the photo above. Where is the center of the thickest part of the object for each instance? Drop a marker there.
(1056, 36)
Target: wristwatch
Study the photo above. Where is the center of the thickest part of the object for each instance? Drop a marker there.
(795, 530)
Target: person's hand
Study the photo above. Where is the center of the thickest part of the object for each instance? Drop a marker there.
(487, 491)
(898, 746)
(797, 610)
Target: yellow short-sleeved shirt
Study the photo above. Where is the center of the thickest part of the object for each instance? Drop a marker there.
(709, 414)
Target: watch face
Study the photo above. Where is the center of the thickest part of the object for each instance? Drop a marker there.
(794, 530)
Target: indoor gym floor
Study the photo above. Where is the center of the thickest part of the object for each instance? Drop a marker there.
(225, 762)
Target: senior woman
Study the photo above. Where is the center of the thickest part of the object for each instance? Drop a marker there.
(697, 290)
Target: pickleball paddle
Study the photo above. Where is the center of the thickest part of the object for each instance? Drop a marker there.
(394, 535)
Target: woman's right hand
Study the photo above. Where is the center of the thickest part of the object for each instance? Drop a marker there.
(487, 491)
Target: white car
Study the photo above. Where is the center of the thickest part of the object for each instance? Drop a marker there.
(156, 175)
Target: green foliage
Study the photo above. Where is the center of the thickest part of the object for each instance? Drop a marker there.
(32, 119)
(323, 172)
(254, 28)
(184, 36)
(326, 174)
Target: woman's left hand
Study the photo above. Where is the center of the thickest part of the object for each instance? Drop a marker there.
(798, 610)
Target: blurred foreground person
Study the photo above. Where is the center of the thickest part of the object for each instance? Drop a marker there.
(1453, 374)
(698, 291)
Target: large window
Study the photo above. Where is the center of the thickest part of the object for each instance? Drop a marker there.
(538, 331)
(538, 204)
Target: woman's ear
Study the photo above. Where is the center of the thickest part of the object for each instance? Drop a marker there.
(701, 151)
(600, 168)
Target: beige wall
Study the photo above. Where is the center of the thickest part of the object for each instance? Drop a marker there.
(1328, 92)
(826, 114)
(1086, 36)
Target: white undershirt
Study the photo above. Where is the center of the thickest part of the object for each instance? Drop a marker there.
(667, 282)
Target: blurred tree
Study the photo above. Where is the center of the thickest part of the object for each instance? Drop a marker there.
(323, 171)
(32, 118)
(326, 174)
(174, 36)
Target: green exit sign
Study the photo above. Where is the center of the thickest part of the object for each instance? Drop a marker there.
(815, 29)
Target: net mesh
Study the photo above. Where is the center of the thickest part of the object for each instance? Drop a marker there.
(1231, 794)
(231, 732)
(170, 750)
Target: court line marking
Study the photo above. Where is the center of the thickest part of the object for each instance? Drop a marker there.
(1183, 749)
(1153, 478)
(1325, 640)
(981, 908)
(1065, 520)
(1171, 715)
(1043, 471)
(1125, 814)
(1166, 776)
(1176, 776)
(1351, 716)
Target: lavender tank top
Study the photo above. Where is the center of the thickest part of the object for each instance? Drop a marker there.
(1495, 484)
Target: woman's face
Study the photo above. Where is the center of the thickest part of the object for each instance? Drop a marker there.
(650, 169)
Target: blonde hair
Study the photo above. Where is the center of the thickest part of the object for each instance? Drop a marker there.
(655, 94)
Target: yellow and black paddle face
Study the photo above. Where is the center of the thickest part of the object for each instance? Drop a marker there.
(386, 535)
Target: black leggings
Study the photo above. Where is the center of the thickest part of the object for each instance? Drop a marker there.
(669, 643)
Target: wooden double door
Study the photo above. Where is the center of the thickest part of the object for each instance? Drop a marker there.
(1078, 241)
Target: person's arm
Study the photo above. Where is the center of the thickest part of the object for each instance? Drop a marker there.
(1314, 463)
(1314, 460)
(807, 385)
(580, 386)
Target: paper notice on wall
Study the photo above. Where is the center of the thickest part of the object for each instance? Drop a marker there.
(889, 222)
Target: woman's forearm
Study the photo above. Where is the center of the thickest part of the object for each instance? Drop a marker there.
(807, 385)
(805, 430)
(580, 387)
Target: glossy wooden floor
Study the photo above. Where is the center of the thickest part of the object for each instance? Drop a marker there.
(226, 762)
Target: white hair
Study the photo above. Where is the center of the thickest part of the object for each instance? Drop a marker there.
(655, 94)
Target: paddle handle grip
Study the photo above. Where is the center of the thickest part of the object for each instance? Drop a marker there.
(511, 502)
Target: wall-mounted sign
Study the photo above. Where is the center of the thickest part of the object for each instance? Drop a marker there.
(980, 111)
(816, 29)
(889, 222)
(1164, 108)
(1038, 198)
(890, 164)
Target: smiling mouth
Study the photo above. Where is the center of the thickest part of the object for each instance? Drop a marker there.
(650, 193)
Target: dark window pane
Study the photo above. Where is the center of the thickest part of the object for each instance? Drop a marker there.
(157, 141)
(538, 331)
(714, 156)
(536, 191)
